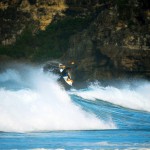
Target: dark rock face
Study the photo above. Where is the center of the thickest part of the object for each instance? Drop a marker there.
(112, 46)
(114, 43)
(16, 15)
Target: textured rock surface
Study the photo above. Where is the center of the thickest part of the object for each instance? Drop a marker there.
(114, 43)
(16, 15)
(113, 46)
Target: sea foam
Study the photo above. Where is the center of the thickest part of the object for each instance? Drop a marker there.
(135, 96)
(38, 103)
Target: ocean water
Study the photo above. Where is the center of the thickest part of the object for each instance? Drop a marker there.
(37, 113)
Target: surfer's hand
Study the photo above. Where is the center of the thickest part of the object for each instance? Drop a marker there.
(70, 80)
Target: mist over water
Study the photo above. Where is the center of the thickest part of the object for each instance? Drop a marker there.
(31, 100)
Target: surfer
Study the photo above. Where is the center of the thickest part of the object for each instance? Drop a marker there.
(65, 71)
(65, 75)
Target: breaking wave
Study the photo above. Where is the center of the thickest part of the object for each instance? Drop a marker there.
(31, 100)
(134, 96)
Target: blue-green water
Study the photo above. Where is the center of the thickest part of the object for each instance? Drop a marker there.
(107, 139)
(36, 113)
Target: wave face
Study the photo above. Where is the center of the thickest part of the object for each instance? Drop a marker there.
(127, 104)
(135, 95)
(31, 100)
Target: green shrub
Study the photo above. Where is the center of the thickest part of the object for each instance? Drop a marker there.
(51, 43)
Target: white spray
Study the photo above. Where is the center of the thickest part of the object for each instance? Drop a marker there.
(40, 104)
(137, 97)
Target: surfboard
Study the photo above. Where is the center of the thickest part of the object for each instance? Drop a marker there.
(68, 81)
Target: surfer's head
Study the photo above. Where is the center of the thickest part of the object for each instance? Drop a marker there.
(62, 66)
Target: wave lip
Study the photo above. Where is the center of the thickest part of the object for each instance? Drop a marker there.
(137, 98)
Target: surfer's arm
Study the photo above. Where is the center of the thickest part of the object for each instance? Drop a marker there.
(69, 76)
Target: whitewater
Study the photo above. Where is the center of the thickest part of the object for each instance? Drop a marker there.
(35, 102)
(39, 113)
(134, 96)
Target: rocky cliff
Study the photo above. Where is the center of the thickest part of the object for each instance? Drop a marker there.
(103, 38)
(116, 43)
(16, 15)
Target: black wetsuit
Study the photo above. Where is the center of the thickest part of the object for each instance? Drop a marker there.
(65, 73)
